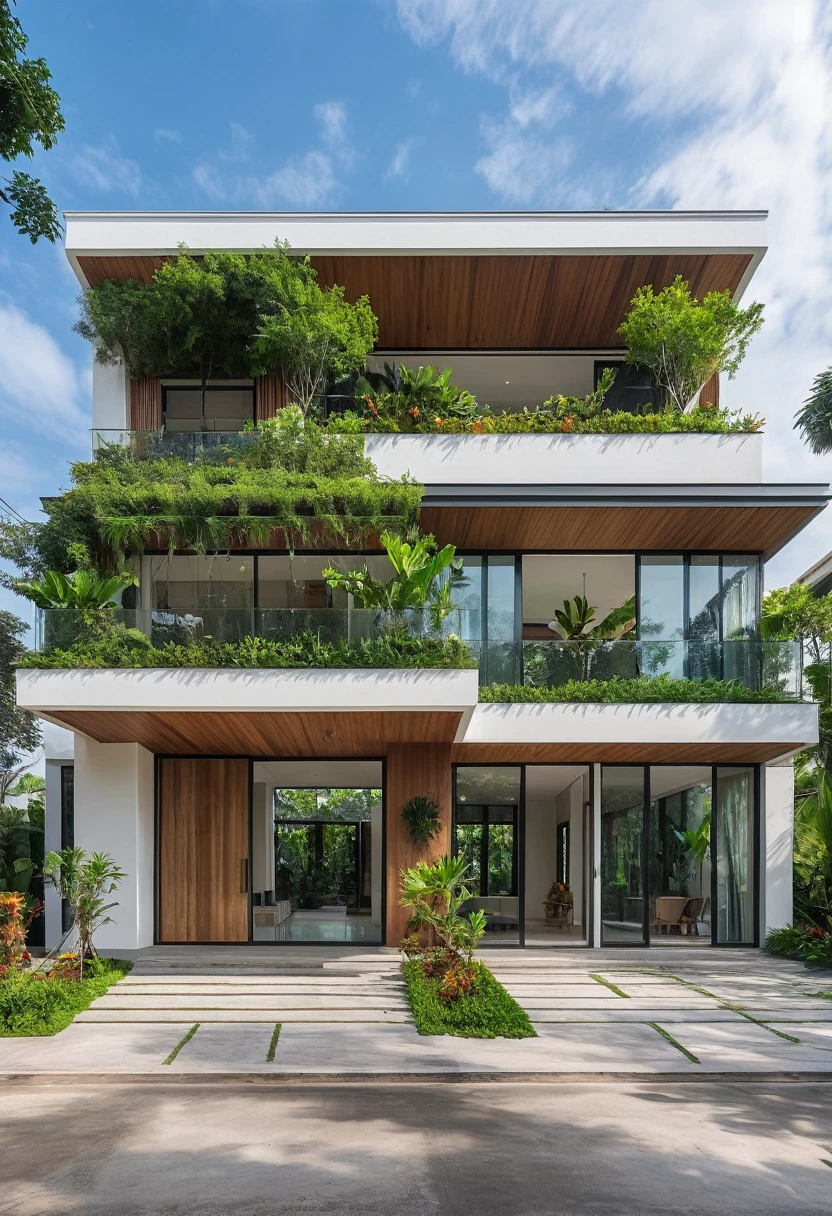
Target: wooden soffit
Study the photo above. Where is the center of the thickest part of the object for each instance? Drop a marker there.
(273, 735)
(482, 302)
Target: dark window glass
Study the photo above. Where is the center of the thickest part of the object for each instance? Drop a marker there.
(622, 853)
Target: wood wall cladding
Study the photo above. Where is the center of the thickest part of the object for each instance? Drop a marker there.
(272, 735)
(509, 301)
(710, 391)
(616, 528)
(145, 404)
(202, 850)
(411, 770)
(269, 396)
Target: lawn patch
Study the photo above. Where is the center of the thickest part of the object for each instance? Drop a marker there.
(186, 1038)
(34, 1005)
(487, 1013)
(599, 979)
(273, 1043)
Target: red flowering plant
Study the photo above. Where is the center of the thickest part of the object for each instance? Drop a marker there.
(16, 915)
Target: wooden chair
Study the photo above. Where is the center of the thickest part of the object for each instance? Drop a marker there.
(694, 913)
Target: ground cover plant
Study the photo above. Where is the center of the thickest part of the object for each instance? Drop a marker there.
(131, 648)
(640, 689)
(449, 992)
(810, 943)
(44, 1003)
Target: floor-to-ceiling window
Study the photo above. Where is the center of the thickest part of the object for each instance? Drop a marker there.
(679, 855)
(486, 832)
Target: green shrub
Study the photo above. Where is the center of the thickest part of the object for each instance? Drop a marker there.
(807, 942)
(302, 650)
(487, 1013)
(646, 689)
(34, 1005)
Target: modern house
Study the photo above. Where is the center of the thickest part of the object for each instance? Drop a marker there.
(265, 804)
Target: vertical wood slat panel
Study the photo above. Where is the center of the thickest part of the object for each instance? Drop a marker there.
(422, 768)
(203, 841)
(709, 394)
(269, 396)
(145, 404)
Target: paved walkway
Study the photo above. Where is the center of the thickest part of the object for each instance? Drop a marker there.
(669, 1011)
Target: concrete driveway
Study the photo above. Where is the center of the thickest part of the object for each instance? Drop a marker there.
(380, 1150)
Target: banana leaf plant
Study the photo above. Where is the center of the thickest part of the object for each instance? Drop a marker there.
(576, 623)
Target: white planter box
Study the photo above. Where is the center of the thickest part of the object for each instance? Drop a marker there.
(207, 690)
(436, 460)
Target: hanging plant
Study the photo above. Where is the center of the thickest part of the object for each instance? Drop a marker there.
(421, 820)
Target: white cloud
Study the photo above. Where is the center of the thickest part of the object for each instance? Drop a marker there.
(732, 104)
(40, 386)
(104, 170)
(308, 180)
(167, 135)
(400, 162)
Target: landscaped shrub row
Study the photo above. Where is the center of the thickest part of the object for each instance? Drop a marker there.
(809, 943)
(487, 1012)
(34, 1004)
(640, 689)
(130, 648)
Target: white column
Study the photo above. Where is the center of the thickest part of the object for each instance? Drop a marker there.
(576, 846)
(776, 846)
(595, 912)
(114, 796)
(109, 397)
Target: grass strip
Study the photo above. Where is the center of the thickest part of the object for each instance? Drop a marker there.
(37, 1006)
(599, 979)
(273, 1043)
(723, 1004)
(186, 1038)
(674, 1042)
(487, 1013)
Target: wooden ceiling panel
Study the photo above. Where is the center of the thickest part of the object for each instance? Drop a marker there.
(264, 734)
(616, 528)
(515, 302)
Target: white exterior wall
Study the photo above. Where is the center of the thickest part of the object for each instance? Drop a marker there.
(776, 846)
(638, 460)
(114, 794)
(576, 846)
(541, 852)
(595, 892)
(109, 396)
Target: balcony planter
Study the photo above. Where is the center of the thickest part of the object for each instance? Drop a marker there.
(542, 459)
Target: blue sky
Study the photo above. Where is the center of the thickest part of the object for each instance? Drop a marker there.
(373, 104)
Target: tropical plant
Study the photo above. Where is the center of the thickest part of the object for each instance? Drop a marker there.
(418, 574)
(697, 841)
(683, 341)
(409, 398)
(577, 620)
(640, 689)
(85, 880)
(82, 590)
(30, 113)
(16, 914)
(795, 612)
(814, 418)
(421, 819)
(314, 336)
(19, 730)
(435, 893)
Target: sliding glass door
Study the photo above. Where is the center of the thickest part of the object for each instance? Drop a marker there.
(679, 855)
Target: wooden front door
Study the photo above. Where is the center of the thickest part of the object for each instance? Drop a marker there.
(203, 850)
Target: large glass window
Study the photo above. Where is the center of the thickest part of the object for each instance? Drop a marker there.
(662, 613)
(227, 407)
(735, 853)
(190, 597)
(502, 651)
(679, 853)
(622, 856)
(486, 832)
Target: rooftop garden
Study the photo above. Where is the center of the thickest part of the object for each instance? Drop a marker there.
(228, 315)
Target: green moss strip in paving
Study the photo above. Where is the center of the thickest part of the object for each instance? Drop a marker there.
(273, 1043)
(735, 1009)
(185, 1039)
(674, 1042)
(599, 979)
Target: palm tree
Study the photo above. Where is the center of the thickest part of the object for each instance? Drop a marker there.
(814, 418)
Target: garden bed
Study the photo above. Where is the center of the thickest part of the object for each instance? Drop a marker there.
(488, 1012)
(35, 1005)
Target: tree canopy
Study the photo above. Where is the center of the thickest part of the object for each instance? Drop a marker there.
(684, 341)
(814, 418)
(19, 731)
(30, 114)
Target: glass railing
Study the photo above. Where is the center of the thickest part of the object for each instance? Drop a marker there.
(211, 446)
(544, 663)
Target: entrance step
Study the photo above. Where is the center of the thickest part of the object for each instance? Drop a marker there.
(187, 1017)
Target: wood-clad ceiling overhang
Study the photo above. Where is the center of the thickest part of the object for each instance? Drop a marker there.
(459, 281)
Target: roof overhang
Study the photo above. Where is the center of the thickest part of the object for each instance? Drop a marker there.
(457, 280)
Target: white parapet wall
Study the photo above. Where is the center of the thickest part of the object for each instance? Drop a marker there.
(790, 724)
(639, 460)
(200, 689)
(114, 796)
